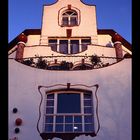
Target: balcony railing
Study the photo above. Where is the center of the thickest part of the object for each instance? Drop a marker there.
(69, 62)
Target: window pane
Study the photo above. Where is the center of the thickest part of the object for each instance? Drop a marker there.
(50, 102)
(68, 103)
(68, 119)
(49, 110)
(52, 41)
(89, 127)
(74, 46)
(69, 12)
(87, 96)
(78, 119)
(77, 127)
(59, 119)
(50, 96)
(85, 42)
(54, 47)
(87, 102)
(59, 128)
(63, 48)
(84, 47)
(53, 44)
(48, 127)
(88, 119)
(88, 110)
(73, 21)
(65, 21)
(68, 127)
(49, 119)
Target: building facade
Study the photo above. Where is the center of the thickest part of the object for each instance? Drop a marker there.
(69, 79)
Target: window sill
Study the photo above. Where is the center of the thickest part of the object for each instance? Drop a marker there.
(69, 25)
(65, 136)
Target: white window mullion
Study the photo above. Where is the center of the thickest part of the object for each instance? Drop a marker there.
(44, 117)
(82, 111)
(69, 46)
(69, 20)
(72, 123)
(64, 123)
(80, 46)
(55, 111)
(58, 45)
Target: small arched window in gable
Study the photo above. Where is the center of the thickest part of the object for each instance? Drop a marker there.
(70, 18)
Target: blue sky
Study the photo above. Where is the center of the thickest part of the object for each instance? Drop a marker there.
(111, 14)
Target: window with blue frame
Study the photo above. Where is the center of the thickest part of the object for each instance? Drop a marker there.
(69, 112)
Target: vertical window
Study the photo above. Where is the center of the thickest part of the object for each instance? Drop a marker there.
(65, 21)
(84, 43)
(88, 109)
(74, 46)
(69, 18)
(73, 21)
(49, 112)
(53, 44)
(63, 48)
(71, 112)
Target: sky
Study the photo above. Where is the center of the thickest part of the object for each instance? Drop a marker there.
(111, 14)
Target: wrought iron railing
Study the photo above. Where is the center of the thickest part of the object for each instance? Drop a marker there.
(69, 62)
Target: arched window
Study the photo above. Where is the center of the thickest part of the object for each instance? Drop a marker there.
(70, 18)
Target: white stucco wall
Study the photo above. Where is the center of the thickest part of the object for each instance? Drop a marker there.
(114, 96)
(104, 40)
(46, 51)
(33, 40)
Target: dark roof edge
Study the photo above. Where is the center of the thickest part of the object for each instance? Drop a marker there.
(38, 32)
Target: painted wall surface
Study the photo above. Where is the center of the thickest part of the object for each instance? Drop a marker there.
(33, 40)
(114, 95)
(105, 40)
(102, 40)
(50, 26)
(46, 51)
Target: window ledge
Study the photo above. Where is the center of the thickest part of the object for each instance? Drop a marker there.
(64, 136)
(69, 25)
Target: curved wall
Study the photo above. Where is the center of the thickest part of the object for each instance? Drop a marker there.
(114, 95)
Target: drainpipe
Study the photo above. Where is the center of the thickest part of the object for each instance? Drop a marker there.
(22, 39)
(117, 40)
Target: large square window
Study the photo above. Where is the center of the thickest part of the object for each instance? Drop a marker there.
(69, 112)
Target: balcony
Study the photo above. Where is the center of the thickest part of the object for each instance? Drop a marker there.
(69, 62)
